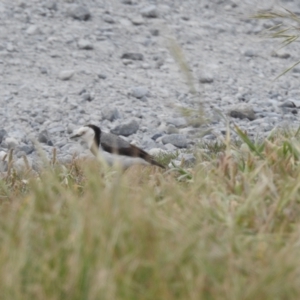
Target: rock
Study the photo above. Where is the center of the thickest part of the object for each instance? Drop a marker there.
(149, 11)
(157, 151)
(85, 44)
(40, 120)
(138, 20)
(205, 78)
(139, 92)
(66, 74)
(127, 128)
(3, 161)
(250, 53)
(79, 12)
(51, 5)
(132, 56)
(178, 140)
(187, 158)
(86, 97)
(43, 70)
(177, 122)
(11, 142)
(126, 1)
(242, 111)
(284, 55)
(110, 113)
(154, 32)
(170, 148)
(101, 76)
(3, 133)
(171, 129)
(108, 19)
(27, 149)
(288, 103)
(32, 30)
(20, 164)
(44, 137)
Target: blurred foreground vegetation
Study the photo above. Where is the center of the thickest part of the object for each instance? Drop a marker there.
(228, 228)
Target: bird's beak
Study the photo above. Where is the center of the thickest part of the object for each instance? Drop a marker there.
(74, 136)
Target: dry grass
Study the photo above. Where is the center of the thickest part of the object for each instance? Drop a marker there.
(287, 29)
(229, 229)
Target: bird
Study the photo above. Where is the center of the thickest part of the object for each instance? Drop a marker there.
(112, 148)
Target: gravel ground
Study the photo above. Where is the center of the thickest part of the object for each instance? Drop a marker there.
(67, 63)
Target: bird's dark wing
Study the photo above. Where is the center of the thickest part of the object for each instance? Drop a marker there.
(113, 144)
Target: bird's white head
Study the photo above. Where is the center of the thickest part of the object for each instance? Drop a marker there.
(86, 133)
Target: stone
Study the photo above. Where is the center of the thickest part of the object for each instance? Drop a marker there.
(3, 161)
(43, 137)
(177, 140)
(32, 30)
(110, 113)
(3, 134)
(139, 92)
(86, 97)
(283, 55)
(187, 158)
(108, 19)
(11, 142)
(288, 103)
(101, 75)
(150, 11)
(27, 149)
(242, 111)
(66, 74)
(171, 129)
(84, 44)
(132, 56)
(79, 12)
(250, 53)
(154, 32)
(138, 20)
(205, 78)
(127, 128)
(177, 122)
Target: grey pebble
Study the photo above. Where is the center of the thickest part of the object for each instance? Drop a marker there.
(108, 19)
(101, 76)
(284, 55)
(178, 140)
(154, 32)
(188, 159)
(242, 111)
(127, 128)
(3, 134)
(86, 97)
(250, 53)
(132, 56)
(110, 113)
(66, 74)
(288, 103)
(84, 44)
(11, 143)
(32, 30)
(139, 92)
(177, 122)
(149, 11)
(26, 149)
(138, 20)
(79, 12)
(43, 137)
(206, 79)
